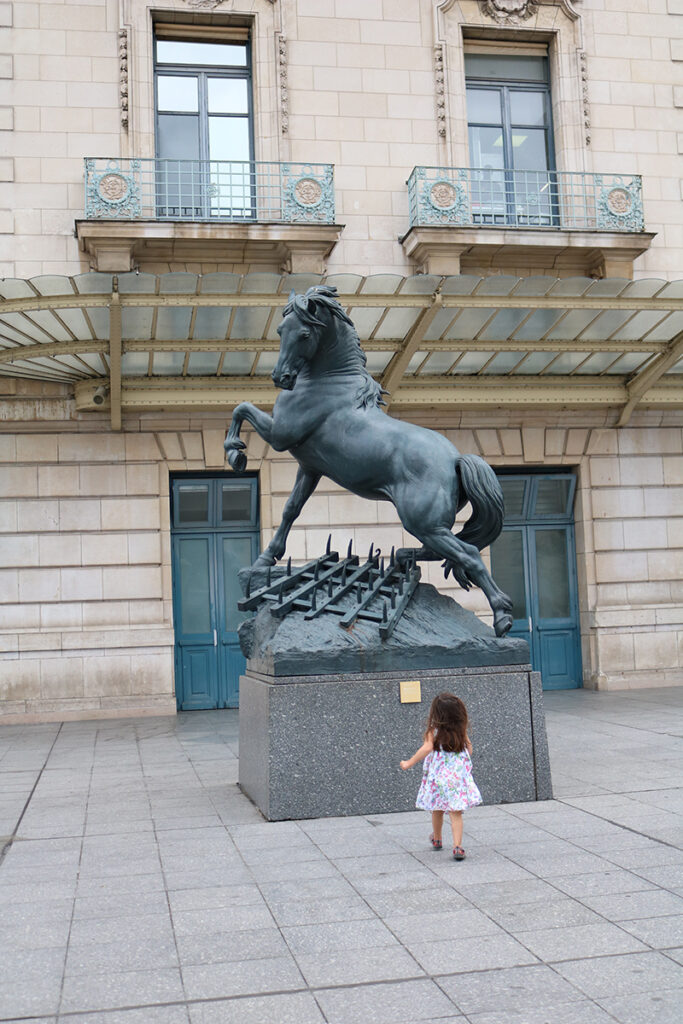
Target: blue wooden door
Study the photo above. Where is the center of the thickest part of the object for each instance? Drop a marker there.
(534, 561)
(214, 536)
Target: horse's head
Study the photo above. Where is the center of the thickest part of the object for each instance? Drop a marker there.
(304, 320)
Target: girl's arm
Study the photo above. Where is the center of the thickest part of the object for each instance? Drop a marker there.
(420, 754)
(469, 744)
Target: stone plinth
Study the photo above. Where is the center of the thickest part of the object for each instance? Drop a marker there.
(318, 746)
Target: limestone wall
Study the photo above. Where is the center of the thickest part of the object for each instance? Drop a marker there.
(85, 578)
(361, 93)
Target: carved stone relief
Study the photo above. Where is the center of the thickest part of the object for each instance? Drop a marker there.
(510, 12)
(440, 90)
(282, 83)
(583, 70)
(123, 76)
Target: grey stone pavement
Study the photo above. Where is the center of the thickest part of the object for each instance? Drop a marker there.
(138, 886)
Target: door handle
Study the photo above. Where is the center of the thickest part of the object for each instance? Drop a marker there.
(215, 638)
(530, 624)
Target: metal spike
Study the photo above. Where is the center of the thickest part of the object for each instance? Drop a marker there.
(392, 557)
(372, 548)
(343, 578)
(313, 598)
(400, 585)
(247, 591)
(316, 570)
(381, 566)
(330, 588)
(281, 595)
(359, 593)
(393, 598)
(268, 576)
(289, 566)
(350, 548)
(329, 544)
(385, 617)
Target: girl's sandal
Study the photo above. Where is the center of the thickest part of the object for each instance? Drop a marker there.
(458, 853)
(436, 843)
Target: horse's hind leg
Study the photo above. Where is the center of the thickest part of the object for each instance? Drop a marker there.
(467, 562)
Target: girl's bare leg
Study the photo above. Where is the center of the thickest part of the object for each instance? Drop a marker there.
(437, 824)
(456, 827)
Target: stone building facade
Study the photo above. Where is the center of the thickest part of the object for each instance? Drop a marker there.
(378, 90)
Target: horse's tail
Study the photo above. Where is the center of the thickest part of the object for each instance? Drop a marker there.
(481, 488)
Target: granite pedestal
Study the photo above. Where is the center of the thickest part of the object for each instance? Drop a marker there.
(322, 726)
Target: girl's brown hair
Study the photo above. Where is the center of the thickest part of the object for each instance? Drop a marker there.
(447, 723)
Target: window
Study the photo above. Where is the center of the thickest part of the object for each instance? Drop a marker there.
(510, 138)
(204, 151)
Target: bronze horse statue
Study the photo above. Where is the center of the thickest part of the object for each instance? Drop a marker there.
(329, 417)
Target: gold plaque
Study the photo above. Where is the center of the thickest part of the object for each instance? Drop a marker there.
(410, 691)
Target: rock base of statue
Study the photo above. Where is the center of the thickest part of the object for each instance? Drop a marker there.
(323, 726)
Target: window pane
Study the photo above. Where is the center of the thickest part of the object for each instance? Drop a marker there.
(177, 92)
(178, 137)
(529, 152)
(229, 138)
(236, 556)
(193, 504)
(513, 495)
(235, 504)
(500, 66)
(194, 586)
(553, 575)
(552, 497)
(228, 96)
(527, 108)
(483, 106)
(507, 569)
(223, 54)
(486, 148)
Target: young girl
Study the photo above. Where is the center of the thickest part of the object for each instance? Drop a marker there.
(447, 783)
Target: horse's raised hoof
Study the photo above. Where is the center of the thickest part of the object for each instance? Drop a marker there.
(238, 461)
(502, 623)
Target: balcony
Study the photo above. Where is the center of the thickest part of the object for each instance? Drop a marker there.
(268, 215)
(465, 218)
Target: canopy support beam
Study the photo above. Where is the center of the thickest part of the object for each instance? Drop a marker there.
(414, 338)
(644, 380)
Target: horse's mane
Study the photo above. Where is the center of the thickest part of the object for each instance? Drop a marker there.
(324, 296)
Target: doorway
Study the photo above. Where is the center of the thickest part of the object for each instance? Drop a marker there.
(214, 534)
(534, 561)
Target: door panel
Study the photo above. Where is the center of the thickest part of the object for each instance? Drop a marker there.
(535, 563)
(214, 536)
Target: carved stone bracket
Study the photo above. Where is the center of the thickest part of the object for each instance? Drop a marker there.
(123, 76)
(440, 84)
(282, 83)
(583, 71)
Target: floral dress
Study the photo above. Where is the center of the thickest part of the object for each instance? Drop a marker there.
(447, 783)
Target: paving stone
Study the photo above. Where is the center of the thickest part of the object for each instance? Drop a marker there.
(330, 937)
(222, 919)
(221, 980)
(633, 905)
(652, 1008)
(147, 927)
(123, 989)
(356, 967)
(121, 955)
(412, 928)
(512, 988)
(482, 952)
(602, 883)
(580, 941)
(504, 894)
(616, 975)
(214, 897)
(145, 1015)
(568, 1013)
(659, 932)
(392, 1003)
(295, 1008)
(123, 905)
(437, 899)
(307, 912)
(217, 947)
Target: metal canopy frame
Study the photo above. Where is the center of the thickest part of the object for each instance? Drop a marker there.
(180, 339)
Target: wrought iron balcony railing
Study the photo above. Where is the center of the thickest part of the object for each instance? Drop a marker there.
(220, 190)
(565, 200)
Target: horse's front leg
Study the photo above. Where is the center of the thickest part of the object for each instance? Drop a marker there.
(304, 486)
(262, 423)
